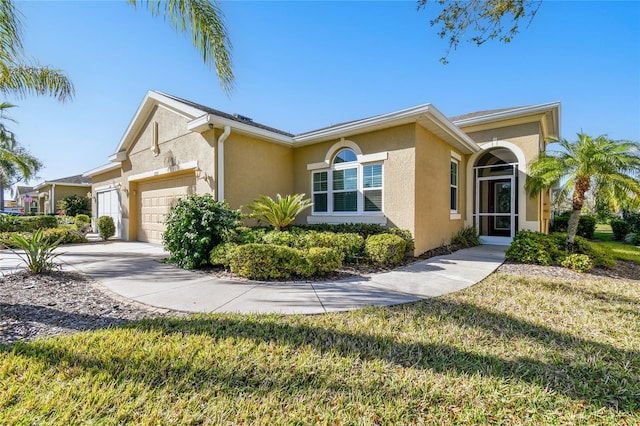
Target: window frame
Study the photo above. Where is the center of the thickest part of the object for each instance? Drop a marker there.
(454, 186)
(359, 165)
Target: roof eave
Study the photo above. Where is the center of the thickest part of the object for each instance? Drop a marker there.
(207, 122)
(102, 169)
(551, 110)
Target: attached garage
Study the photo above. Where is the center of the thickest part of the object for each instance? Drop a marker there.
(108, 204)
(155, 199)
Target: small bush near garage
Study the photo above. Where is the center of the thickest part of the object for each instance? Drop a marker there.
(620, 228)
(194, 226)
(106, 227)
(222, 254)
(385, 249)
(586, 225)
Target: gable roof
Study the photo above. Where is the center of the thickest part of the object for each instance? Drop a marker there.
(75, 180)
(548, 114)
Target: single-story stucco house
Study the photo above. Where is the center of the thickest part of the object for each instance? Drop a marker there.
(414, 169)
(43, 198)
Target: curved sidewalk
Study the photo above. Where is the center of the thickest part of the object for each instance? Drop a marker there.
(133, 270)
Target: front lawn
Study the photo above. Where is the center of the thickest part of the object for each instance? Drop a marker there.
(510, 350)
(622, 251)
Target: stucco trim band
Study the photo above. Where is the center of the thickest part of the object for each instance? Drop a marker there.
(163, 171)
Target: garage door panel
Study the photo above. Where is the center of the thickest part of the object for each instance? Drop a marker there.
(156, 199)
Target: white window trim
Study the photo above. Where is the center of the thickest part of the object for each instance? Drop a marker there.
(453, 213)
(360, 214)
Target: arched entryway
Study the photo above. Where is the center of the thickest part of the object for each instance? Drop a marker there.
(495, 198)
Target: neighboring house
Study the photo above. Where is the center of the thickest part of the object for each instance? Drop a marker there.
(414, 169)
(26, 199)
(47, 194)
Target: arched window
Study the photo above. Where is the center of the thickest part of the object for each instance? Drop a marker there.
(348, 187)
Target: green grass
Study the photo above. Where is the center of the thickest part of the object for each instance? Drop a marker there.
(509, 350)
(618, 249)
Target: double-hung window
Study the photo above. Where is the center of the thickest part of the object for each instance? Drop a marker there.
(348, 187)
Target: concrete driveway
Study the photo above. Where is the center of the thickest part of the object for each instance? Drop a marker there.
(134, 270)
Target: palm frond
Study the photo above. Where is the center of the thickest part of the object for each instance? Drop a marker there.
(203, 20)
(23, 79)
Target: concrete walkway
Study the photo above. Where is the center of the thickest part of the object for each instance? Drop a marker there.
(133, 270)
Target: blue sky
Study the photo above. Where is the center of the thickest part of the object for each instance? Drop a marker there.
(305, 65)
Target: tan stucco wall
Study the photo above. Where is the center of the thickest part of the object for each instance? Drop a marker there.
(176, 149)
(398, 170)
(528, 137)
(434, 225)
(254, 167)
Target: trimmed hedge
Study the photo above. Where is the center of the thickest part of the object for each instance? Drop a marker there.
(586, 224)
(363, 229)
(27, 223)
(67, 235)
(385, 249)
(348, 245)
(266, 261)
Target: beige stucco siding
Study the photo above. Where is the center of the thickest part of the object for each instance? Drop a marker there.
(398, 170)
(434, 225)
(253, 167)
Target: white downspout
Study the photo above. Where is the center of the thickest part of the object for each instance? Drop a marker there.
(223, 137)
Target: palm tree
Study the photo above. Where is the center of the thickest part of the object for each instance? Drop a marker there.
(589, 162)
(16, 163)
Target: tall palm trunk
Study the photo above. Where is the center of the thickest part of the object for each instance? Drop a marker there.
(581, 187)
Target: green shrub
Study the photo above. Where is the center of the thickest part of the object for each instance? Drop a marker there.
(322, 260)
(586, 225)
(65, 235)
(265, 261)
(620, 228)
(633, 219)
(38, 251)
(347, 245)
(7, 241)
(195, 225)
(577, 262)
(75, 205)
(600, 256)
(363, 229)
(385, 249)
(632, 238)
(222, 254)
(531, 248)
(279, 238)
(106, 227)
(27, 223)
(82, 223)
(244, 235)
(467, 237)
(406, 236)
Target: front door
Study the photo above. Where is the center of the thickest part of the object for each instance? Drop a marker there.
(496, 218)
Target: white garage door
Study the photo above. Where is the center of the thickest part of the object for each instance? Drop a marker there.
(109, 205)
(155, 200)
